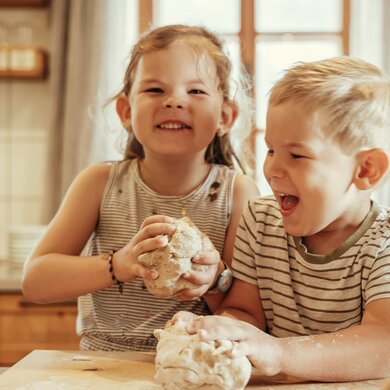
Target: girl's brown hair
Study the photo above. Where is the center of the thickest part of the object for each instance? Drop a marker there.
(220, 150)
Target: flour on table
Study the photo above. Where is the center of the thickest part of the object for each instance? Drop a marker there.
(174, 260)
(183, 361)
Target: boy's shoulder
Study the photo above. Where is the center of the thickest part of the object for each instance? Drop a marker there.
(265, 203)
(265, 209)
(381, 223)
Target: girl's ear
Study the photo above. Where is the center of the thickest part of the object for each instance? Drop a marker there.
(228, 117)
(123, 110)
(372, 167)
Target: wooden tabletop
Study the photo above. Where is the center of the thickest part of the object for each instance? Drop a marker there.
(82, 370)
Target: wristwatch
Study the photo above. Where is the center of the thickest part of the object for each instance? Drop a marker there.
(223, 282)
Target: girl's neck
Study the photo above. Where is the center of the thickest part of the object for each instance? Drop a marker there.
(167, 178)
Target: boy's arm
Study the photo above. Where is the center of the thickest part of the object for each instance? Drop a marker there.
(356, 353)
(360, 352)
(243, 303)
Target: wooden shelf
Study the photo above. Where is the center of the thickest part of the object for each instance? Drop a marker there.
(23, 3)
(21, 62)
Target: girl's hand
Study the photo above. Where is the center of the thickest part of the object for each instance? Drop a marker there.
(204, 279)
(264, 351)
(152, 235)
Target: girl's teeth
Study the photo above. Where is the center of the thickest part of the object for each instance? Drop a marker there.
(171, 126)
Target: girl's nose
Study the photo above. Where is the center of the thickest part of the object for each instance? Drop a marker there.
(173, 102)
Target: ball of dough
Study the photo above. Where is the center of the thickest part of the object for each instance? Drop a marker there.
(174, 260)
(183, 361)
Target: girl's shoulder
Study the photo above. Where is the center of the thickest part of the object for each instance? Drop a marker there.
(245, 187)
(92, 180)
(97, 173)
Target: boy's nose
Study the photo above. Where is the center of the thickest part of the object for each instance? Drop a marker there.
(273, 167)
(173, 102)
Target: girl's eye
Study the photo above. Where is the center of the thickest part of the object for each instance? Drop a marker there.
(197, 91)
(154, 90)
(270, 152)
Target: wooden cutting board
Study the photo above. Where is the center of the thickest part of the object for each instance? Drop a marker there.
(79, 370)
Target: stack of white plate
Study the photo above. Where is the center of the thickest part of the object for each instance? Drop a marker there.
(21, 241)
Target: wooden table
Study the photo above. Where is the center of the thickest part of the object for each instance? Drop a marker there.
(76, 370)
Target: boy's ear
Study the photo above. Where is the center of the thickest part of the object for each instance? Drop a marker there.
(228, 117)
(123, 110)
(372, 167)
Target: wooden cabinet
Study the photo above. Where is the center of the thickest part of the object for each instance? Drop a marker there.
(26, 326)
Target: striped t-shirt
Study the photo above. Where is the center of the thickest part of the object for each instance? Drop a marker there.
(108, 320)
(306, 294)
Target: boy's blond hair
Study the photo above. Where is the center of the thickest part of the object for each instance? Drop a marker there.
(351, 95)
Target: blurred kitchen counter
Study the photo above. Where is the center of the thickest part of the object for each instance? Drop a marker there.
(10, 278)
(26, 326)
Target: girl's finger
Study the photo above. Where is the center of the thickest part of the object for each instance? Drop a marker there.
(153, 230)
(200, 278)
(207, 258)
(150, 244)
(143, 272)
(156, 219)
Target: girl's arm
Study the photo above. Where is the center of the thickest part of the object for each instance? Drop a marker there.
(357, 353)
(55, 271)
(244, 189)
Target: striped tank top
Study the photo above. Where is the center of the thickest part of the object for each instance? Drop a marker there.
(108, 320)
(305, 294)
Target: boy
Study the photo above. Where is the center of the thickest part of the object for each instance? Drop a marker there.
(312, 262)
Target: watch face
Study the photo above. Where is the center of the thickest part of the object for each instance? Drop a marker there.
(225, 280)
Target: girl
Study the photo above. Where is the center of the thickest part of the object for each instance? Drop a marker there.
(176, 106)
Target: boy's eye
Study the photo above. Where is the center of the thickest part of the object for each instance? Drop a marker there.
(296, 156)
(197, 91)
(154, 90)
(270, 152)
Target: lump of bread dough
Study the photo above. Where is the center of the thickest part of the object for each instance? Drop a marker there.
(172, 261)
(183, 361)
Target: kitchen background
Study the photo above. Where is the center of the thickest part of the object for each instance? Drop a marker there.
(60, 62)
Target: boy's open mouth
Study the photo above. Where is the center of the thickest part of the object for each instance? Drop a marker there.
(288, 203)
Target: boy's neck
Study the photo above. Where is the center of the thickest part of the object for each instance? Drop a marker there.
(326, 241)
(173, 179)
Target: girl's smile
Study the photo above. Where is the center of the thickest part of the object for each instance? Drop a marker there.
(175, 103)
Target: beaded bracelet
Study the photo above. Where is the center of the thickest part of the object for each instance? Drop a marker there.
(109, 257)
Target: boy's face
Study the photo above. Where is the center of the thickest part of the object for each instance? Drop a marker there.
(309, 174)
(176, 106)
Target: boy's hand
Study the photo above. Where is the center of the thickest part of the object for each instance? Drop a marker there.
(152, 235)
(204, 279)
(263, 350)
(184, 316)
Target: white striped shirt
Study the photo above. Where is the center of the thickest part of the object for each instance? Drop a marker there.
(108, 320)
(305, 294)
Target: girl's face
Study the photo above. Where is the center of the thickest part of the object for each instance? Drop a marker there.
(175, 104)
(309, 173)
